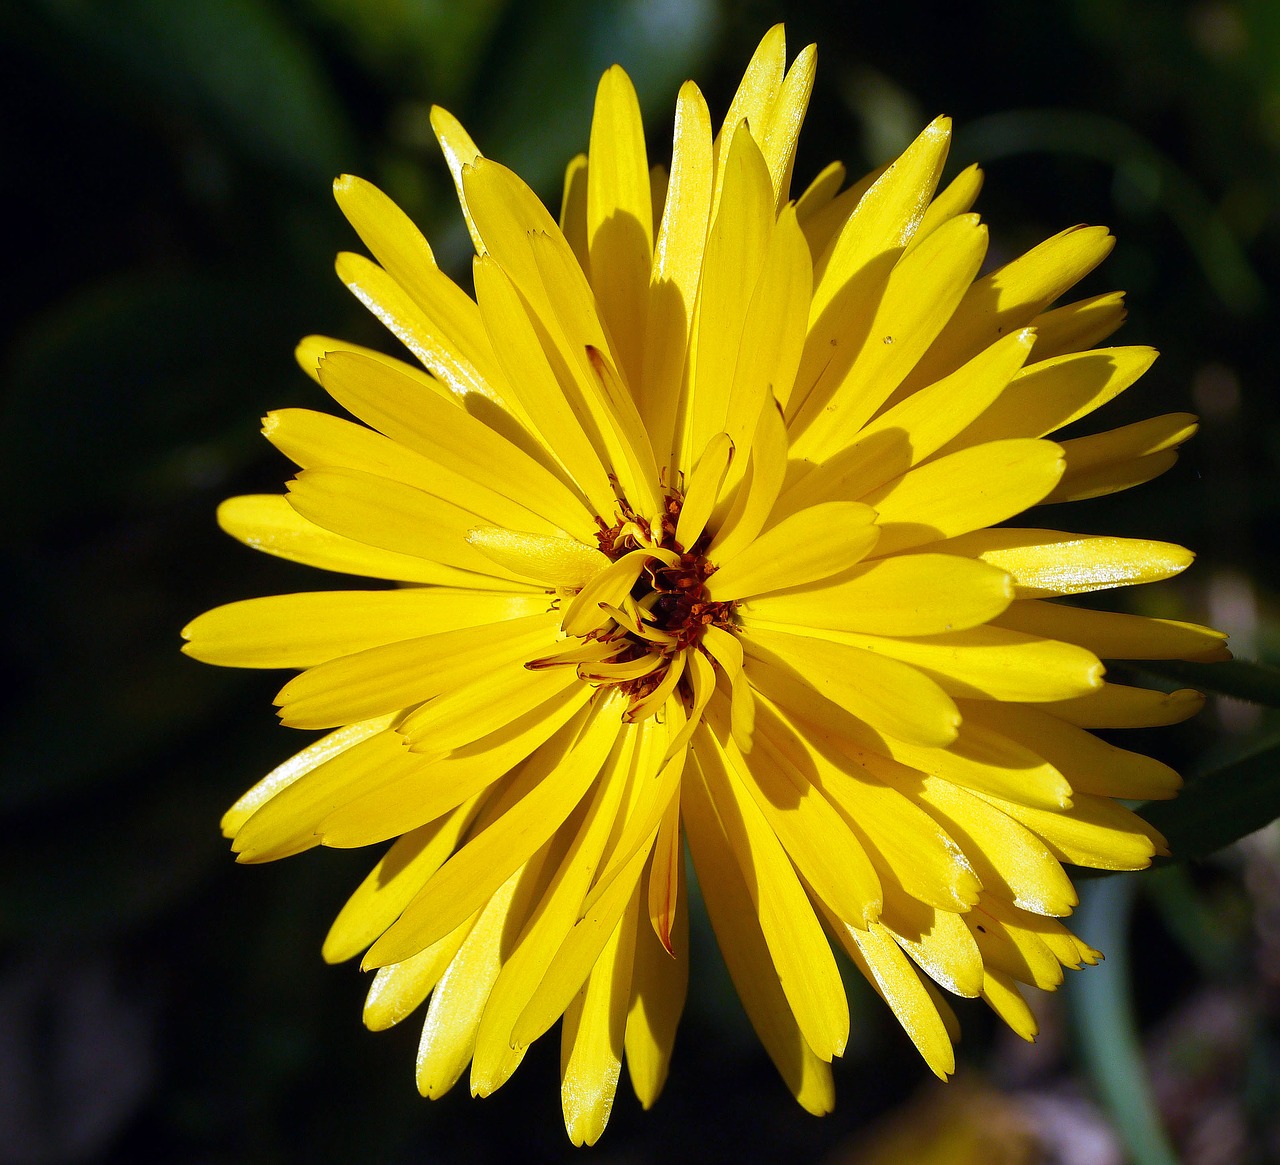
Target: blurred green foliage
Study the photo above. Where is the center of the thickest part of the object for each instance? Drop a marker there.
(165, 178)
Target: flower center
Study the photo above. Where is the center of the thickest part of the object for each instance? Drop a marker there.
(639, 643)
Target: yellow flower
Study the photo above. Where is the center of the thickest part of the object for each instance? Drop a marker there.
(695, 510)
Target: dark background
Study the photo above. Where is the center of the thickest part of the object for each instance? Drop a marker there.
(168, 236)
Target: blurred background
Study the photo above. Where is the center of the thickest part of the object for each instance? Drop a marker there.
(164, 173)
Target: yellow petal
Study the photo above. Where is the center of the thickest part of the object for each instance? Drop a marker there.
(1096, 832)
(1118, 706)
(931, 417)
(896, 981)
(436, 321)
(391, 515)
(755, 97)
(591, 1043)
(1050, 394)
(406, 672)
(659, 984)
(451, 438)
(1007, 857)
(1011, 297)
(397, 991)
(703, 489)
(318, 441)
(535, 386)
(797, 945)
(921, 292)
(459, 151)
(449, 1032)
(545, 558)
(393, 883)
(1048, 562)
(677, 265)
(756, 493)
(544, 792)
(298, 765)
(890, 696)
(267, 522)
(619, 217)
(1001, 994)
(959, 196)
(937, 940)
(497, 1053)
(1090, 765)
(311, 350)
(909, 594)
(301, 630)
(886, 217)
(1111, 635)
(737, 246)
(1106, 462)
(402, 797)
(820, 842)
(780, 129)
(734, 918)
(989, 662)
(964, 491)
(288, 820)
(1076, 327)
(814, 544)
(573, 210)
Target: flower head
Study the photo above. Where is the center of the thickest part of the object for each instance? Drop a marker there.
(696, 510)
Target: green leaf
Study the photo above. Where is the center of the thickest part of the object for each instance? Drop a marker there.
(1220, 807)
(1259, 683)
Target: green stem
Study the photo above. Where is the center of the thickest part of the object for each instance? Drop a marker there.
(1106, 1028)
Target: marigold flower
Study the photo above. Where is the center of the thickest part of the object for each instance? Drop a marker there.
(696, 508)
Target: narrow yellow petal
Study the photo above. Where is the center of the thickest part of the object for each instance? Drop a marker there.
(677, 266)
(735, 920)
(755, 97)
(780, 130)
(620, 217)
(814, 544)
(1007, 857)
(545, 558)
(1090, 764)
(301, 630)
(1044, 563)
(756, 493)
(1103, 463)
(592, 1039)
(1097, 832)
(896, 981)
(659, 984)
(1050, 394)
(459, 151)
(909, 594)
(1077, 327)
(937, 940)
(392, 884)
(737, 247)
(403, 673)
(1011, 297)
(297, 766)
(1111, 635)
(920, 293)
(544, 792)
(451, 438)
(267, 522)
(890, 696)
(886, 217)
(1118, 706)
(573, 210)
(449, 1032)
(959, 196)
(1001, 994)
(964, 491)
(703, 489)
(397, 991)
